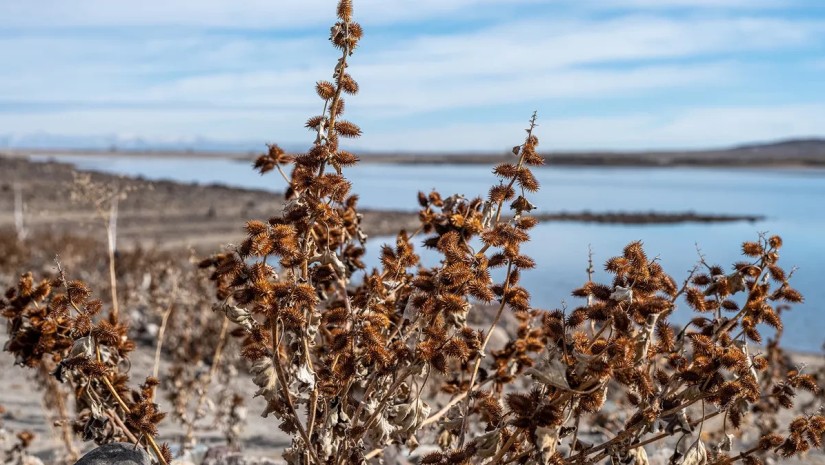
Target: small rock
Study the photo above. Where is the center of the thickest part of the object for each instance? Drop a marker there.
(117, 452)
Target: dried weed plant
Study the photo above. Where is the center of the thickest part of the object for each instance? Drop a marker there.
(105, 198)
(166, 299)
(342, 362)
(58, 320)
(342, 365)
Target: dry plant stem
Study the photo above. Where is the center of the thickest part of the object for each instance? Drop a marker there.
(507, 445)
(161, 333)
(739, 457)
(111, 236)
(116, 418)
(437, 415)
(624, 435)
(374, 453)
(283, 175)
(598, 333)
(313, 410)
(313, 407)
(367, 392)
(155, 449)
(520, 164)
(109, 386)
(216, 358)
(483, 346)
(455, 400)
(276, 361)
(379, 410)
(341, 68)
(149, 439)
(19, 225)
(575, 436)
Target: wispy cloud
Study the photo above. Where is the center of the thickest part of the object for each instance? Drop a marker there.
(653, 70)
(239, 13)
(269, 14)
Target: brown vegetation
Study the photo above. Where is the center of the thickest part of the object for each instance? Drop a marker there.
(354, 369)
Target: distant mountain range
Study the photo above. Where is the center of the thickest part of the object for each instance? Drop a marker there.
(802, 152)
(796, 152)
(790, 147)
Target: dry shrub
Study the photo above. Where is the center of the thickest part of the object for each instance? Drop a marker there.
(167, 299)
(342, 363)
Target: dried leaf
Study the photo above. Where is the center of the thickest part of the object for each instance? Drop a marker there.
(547, 440)
(696, 455)
(553, 372)
(622, 294)
(235, 314)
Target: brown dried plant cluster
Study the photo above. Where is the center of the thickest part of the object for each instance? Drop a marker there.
(166, 299)
(342, 364)
(59, 321)
(346, 359)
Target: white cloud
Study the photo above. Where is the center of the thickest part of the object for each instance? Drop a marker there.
(172, 76)
(230, 125)
(221, 13)
(716, 4)
(514, 61)
(292, 14)
(528, 45)
(413, 95)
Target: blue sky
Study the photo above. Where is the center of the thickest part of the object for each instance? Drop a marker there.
(435, 74)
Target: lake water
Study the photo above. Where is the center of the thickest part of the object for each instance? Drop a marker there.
(792, 201)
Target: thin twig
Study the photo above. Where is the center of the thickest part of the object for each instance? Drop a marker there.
(276, 361)
(161, 333)
(111, 237)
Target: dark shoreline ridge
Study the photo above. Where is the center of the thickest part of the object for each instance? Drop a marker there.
(651, 217)
(789, 153)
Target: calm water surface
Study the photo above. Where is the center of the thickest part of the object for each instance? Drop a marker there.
(793, 202)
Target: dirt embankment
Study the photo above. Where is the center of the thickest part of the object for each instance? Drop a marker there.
(161, 213)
